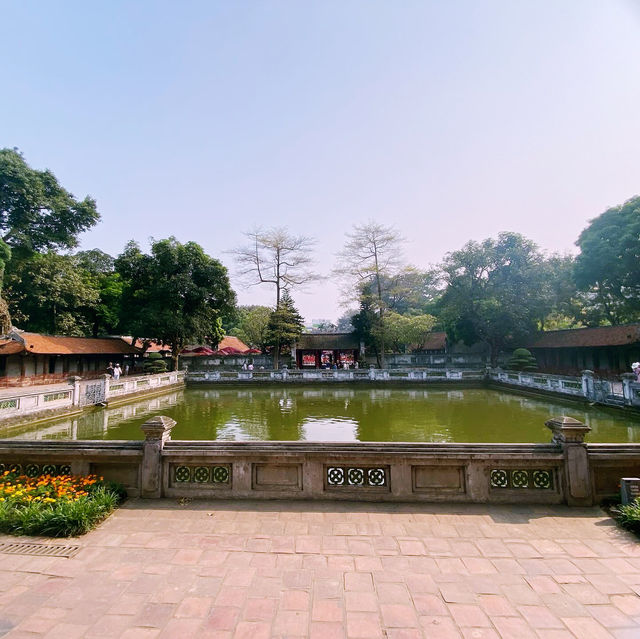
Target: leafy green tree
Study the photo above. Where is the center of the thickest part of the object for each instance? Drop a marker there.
(174, 295)
(51, 293)
(494, 292)
(285, 326)
(252, 326)
(404, 331)
(522, 360)
(412, 291)
(607, 268)
(36, 214)
(99, 267)
(366, 323)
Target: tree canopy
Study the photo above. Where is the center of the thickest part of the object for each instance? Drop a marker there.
(174, 295)
(285, 326)
(608, 266)
(494, 291)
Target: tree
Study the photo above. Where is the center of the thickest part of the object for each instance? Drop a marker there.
(251, 326)
(494, 292)
(36, 214)
(275, 256)
(285, 326)
(412, 291)
(174, 295)
(99, 267)
(607, 266)
(367, 263)
(51, 293)
(405, 330)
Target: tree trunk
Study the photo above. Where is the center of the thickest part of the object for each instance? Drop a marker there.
(174, 358)
(276, 356)
(495, 351)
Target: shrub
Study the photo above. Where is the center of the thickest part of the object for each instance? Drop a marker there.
(154, 363)
(55, 506)
(522, 360)
(628, 516)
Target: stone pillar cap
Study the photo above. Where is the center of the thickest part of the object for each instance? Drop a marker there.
(567, 430)
(158, 427)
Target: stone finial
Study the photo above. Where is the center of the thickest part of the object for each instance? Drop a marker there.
(158, 428)
(567, 430)
(587, 373)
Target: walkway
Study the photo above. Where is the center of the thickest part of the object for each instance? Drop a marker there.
(285, 569)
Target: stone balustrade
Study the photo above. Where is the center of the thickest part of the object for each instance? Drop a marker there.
(601, 391)
(78, 393)
(327, 375)
(564, 471)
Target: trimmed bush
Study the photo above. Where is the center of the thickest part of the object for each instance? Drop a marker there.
(628, 516)
(522, 360)
(154, 363)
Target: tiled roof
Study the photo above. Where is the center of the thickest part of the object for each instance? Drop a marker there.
(327, 341)
(584, 337)
(56, 345)
(436, 341)
(230, 341)
(10, 347)
(154, 347)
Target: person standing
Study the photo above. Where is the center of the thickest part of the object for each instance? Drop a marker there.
(117, 371)
(110, 369)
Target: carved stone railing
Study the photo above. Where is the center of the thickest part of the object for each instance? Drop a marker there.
(78, 393)
(564, 471)
(327, 375)
(623, 393)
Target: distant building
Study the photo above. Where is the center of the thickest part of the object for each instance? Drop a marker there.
(315, 350)
(604, 349)
(32, 357)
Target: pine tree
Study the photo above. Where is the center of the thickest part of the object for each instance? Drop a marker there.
(285, 326)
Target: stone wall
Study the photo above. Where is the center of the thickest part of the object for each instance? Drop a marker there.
(565, 471)
(78, 393)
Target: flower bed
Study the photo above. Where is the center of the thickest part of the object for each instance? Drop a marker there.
(55, 505)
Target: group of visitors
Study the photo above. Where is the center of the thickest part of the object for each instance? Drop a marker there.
(345, 366)
(247, 367)
(116, 371)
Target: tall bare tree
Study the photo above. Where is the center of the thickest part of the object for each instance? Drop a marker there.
(368, 260)
(275, 256)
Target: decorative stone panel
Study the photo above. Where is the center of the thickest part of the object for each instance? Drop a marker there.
(280, 477)
(35, 470)
(519, 478)
(218, 475)
(357, 477)
(438, 478)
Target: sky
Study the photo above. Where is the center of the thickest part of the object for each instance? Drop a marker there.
(449, 120)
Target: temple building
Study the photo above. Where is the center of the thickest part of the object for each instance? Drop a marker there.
(323, 350)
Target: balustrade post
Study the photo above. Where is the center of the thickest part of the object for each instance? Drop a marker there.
(569, 434)
(75, 395)
(627, 391)
(157, 431)
(588, 389)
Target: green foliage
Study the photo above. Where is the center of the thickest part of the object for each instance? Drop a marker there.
(522, 360)
(154, 363)
(284, 327)
(62, 519)
(51, 293)
(628, 516)
(607, 266)
(174, 295)
(494, 292)
(251, 325)
(403, 331)
(36, 213)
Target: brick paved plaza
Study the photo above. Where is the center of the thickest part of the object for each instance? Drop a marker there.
(299, 569)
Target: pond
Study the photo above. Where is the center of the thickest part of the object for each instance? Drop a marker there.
(322, 413)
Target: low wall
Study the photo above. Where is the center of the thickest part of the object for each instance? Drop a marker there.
(565, 471)
(78, 393)
(332, 376)
(588, 387)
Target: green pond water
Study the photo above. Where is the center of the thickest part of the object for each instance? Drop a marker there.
(338, 414)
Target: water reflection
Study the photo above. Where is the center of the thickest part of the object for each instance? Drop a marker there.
(337, 414)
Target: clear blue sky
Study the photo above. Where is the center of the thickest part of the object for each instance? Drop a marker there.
(451, 120)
